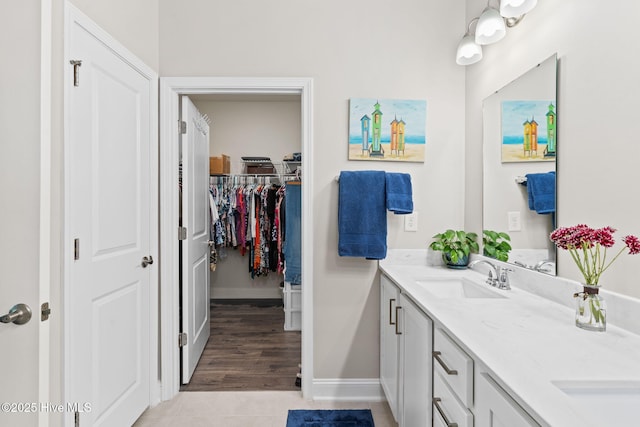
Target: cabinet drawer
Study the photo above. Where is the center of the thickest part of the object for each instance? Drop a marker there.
(454, 365)
(447, 410)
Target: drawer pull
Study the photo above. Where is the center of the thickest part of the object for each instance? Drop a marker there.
(397, 323)
(436, 355)
(436, 403)
(391, 322)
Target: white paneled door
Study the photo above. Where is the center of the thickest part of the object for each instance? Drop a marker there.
(195, 248)
(109, 220)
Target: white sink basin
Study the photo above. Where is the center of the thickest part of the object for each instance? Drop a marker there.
(607, 403)
(458, 287)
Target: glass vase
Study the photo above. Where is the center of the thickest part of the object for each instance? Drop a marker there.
(591, 310)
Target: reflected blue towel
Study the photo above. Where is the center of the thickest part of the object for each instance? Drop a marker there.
(542, 192)
(362, 215)
(399, 193)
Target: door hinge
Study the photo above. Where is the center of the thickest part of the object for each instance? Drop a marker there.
(76, 419)
(76, 249)
(182, 339)
(182, 233)
(45, 311)
(183, 127)
(76, 71)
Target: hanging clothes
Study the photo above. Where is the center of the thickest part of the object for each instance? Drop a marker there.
(249, 218)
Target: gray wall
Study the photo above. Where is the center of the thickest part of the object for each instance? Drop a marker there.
(352, 49)
(597, 110)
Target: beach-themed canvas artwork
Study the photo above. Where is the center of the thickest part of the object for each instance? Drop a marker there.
(387, 129)
(528, 131)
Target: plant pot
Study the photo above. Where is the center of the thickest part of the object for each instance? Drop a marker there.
(461, 264)
(591, 310)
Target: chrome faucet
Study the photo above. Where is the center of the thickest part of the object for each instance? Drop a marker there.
(498, 276)
(492, 279)
(540, 266)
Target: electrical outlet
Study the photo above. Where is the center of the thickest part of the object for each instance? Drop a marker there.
(411, 222)
(514, 223)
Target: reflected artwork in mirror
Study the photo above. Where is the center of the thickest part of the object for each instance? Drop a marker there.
(519, 169)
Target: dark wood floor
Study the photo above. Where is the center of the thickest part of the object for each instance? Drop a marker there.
(248, 350)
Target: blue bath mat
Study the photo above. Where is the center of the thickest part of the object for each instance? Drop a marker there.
(330, 418)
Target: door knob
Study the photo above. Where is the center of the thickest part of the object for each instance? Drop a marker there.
(19, 314)
(147, 261)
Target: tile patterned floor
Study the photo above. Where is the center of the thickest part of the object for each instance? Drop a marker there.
(245, 409)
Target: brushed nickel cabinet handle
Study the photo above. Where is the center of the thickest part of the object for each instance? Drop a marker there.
(397, 322)
(391, 322)
(436, 355)
(436, 403)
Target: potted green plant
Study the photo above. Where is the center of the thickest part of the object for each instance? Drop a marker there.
(455, 247)
(495, 244)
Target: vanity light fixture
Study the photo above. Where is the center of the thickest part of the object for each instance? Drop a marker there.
(516, 8)
(469, 52)
(491, 27)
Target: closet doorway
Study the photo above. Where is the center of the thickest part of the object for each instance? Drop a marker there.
(232, 90)
(254, 188)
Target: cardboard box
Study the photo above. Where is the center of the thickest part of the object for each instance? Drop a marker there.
(219, 165)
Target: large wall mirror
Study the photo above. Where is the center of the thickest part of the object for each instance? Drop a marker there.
(519, 165)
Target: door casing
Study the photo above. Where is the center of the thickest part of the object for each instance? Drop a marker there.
(170, 90)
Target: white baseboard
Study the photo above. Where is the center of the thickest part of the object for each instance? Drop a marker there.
(348, 390)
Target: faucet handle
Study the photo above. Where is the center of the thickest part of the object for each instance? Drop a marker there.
(503, 278)
(491, 280)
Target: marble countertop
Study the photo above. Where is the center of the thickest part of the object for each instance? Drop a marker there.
(527, 343)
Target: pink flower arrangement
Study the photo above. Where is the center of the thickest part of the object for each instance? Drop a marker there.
(588, 248)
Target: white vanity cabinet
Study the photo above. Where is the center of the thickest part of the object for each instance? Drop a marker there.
(428, 377)
(389, 342)
(406, 342)
(416, 371)
(495, 408)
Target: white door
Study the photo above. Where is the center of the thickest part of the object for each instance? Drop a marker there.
(21, 119)
(195, 248)
(109, 225)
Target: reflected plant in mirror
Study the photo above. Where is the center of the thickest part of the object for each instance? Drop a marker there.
(495, 244)
(520, 149)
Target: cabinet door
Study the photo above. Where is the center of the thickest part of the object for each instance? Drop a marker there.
(389, 342)
(495, 408)
(416, 365)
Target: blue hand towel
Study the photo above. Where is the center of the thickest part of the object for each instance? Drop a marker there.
(362, 215)
(542, 192)
(399, 193)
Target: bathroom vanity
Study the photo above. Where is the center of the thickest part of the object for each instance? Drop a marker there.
(454, 350)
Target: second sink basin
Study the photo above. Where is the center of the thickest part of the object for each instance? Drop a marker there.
(457, 287)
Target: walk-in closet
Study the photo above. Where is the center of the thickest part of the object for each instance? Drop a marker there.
(255, 182)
